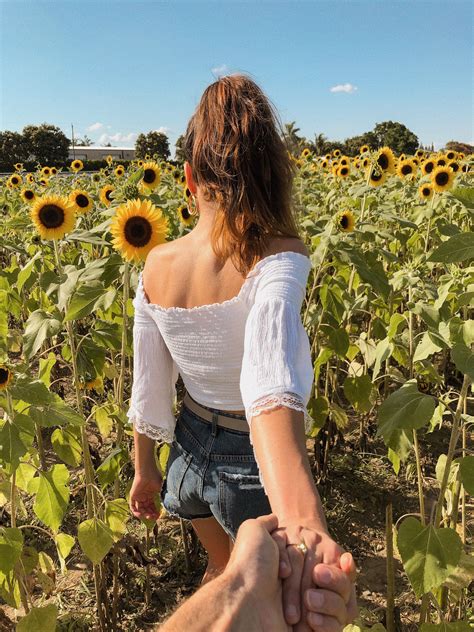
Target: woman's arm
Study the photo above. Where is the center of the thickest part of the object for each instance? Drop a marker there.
(145, 461)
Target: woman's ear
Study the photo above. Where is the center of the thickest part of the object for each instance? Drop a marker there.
(189, 178)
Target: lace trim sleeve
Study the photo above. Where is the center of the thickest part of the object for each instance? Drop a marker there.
(150, 430)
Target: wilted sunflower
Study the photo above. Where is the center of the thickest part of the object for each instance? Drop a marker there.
(18, 166)
(427, 166)
(184, 215)
(28, 195)
(119, 170)
(345, 221)
(14, 180)
(81, 200)
(97, 384)
(406, 168)
(95, 177)
(343, 171)
(442, 178)
(77, 165)
(151, 175)
(425, 191)
(138, 226)
(53, 216)
(377, 177)
(386, 160)
(105, 196)
(6, 376)
(363, 149)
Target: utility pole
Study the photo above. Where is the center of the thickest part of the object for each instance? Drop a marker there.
(73, 147)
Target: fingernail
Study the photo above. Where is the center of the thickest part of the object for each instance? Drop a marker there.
(324, 575)
(291, 612)
(315, 618)
(316, 599)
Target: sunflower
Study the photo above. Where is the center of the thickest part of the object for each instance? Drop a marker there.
(336, 152)
(81, 200)
(343, 171)
(451, 155)
(77, 165)
(305, 153)
(95, 177)
(109, 159)
(119, 170)
(54, 171)
(138, 226)
(454, 165)
(427, 167)
(30, 178)
(97, 384)
(344, 160)
(46, 171)
(365, 162)
(14, 180)
(406, 168)
(419, 153)
(442, 178)
(53, 216)
(425, 191)
(386, 160)
(182, 179)
(184, 215)
(44, 182)
(177, 175)
(187, 193)
(345, 221)
(169, 168)
(377, 177)
(105, 196)
(28, 195)
(151, 175)
(18, 166)
(6, 376)
(363, 149)
(441, 162)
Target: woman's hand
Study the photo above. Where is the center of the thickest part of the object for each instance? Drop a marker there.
(300, 572)
(144, 488)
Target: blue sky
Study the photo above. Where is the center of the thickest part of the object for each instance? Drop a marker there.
(117, 68)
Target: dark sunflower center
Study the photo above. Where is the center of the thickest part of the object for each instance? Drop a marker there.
(426, 191)
(442, 178)
(82, 200)
(149, 176)
(376, 176)
(454, 166)
(138, 231)
(15, 180)
(441, 162)
(107, 195)
(429, 167)
(450, 155)
(29, 195)
(344, 171)
(3, 375)
(51, 216)
(344, 221)
(185, 213)
(406, 169)
(382, 161)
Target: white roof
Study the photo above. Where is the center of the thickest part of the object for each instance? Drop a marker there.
(103, 148)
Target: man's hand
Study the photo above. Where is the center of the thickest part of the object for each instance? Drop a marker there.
(144, 489)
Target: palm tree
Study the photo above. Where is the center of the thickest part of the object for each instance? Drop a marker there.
(290, 135)
(320, 141)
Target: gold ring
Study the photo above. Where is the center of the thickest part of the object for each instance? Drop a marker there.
(301, 546)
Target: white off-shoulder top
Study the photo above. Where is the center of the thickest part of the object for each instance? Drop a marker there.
(250, 352)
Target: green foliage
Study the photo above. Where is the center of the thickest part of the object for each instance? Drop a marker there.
(46, 143)
(152, 143)
(41, 619)
(95, 538)
(52, 495)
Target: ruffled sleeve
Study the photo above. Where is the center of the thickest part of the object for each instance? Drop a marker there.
(155, 373)
(276, 367)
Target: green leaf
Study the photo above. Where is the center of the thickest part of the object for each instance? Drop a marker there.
(338, 415)
(116, 515)
(454, 626)
(164, 454)
(45, 367)
(67, 444)
(425, 347)
(464, 195)
(64, 544)
(39, 326)
(11, 545)
(16, 438)
(339, 341)
(405, 409)
(429, 555)
(110, 468)
(39, 620)
(53, 496)
(95, 538)
(318, 408)
(456, 249)
(463, 358)
(466, 470)
(359, 391)
(86, 299)
(383, 351)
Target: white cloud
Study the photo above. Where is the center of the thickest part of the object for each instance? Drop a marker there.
(163, 130)
(220, 70)
(118, 138)
(344, 87)
(95, 127)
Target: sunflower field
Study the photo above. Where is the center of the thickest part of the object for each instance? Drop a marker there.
(389, 314)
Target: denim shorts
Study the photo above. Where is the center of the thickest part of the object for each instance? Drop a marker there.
(211, 471)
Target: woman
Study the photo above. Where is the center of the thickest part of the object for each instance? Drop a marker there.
(221, 306)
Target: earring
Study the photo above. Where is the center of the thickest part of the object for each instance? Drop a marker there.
(194, 210)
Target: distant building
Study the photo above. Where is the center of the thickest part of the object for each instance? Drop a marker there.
(100, 153)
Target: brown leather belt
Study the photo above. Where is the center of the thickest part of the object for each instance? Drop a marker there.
(208, 414)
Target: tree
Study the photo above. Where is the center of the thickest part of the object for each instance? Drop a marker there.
(83, 142)
(46, 143)
(396, 136)
(179, 149)
(13, 148)
(319, 145)
(353, 144)
(294, 142)
(455, 145)
(152, 143)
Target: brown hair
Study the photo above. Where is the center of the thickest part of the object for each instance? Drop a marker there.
(239, 159)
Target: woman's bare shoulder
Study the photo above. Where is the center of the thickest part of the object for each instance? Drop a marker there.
(283, 244)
